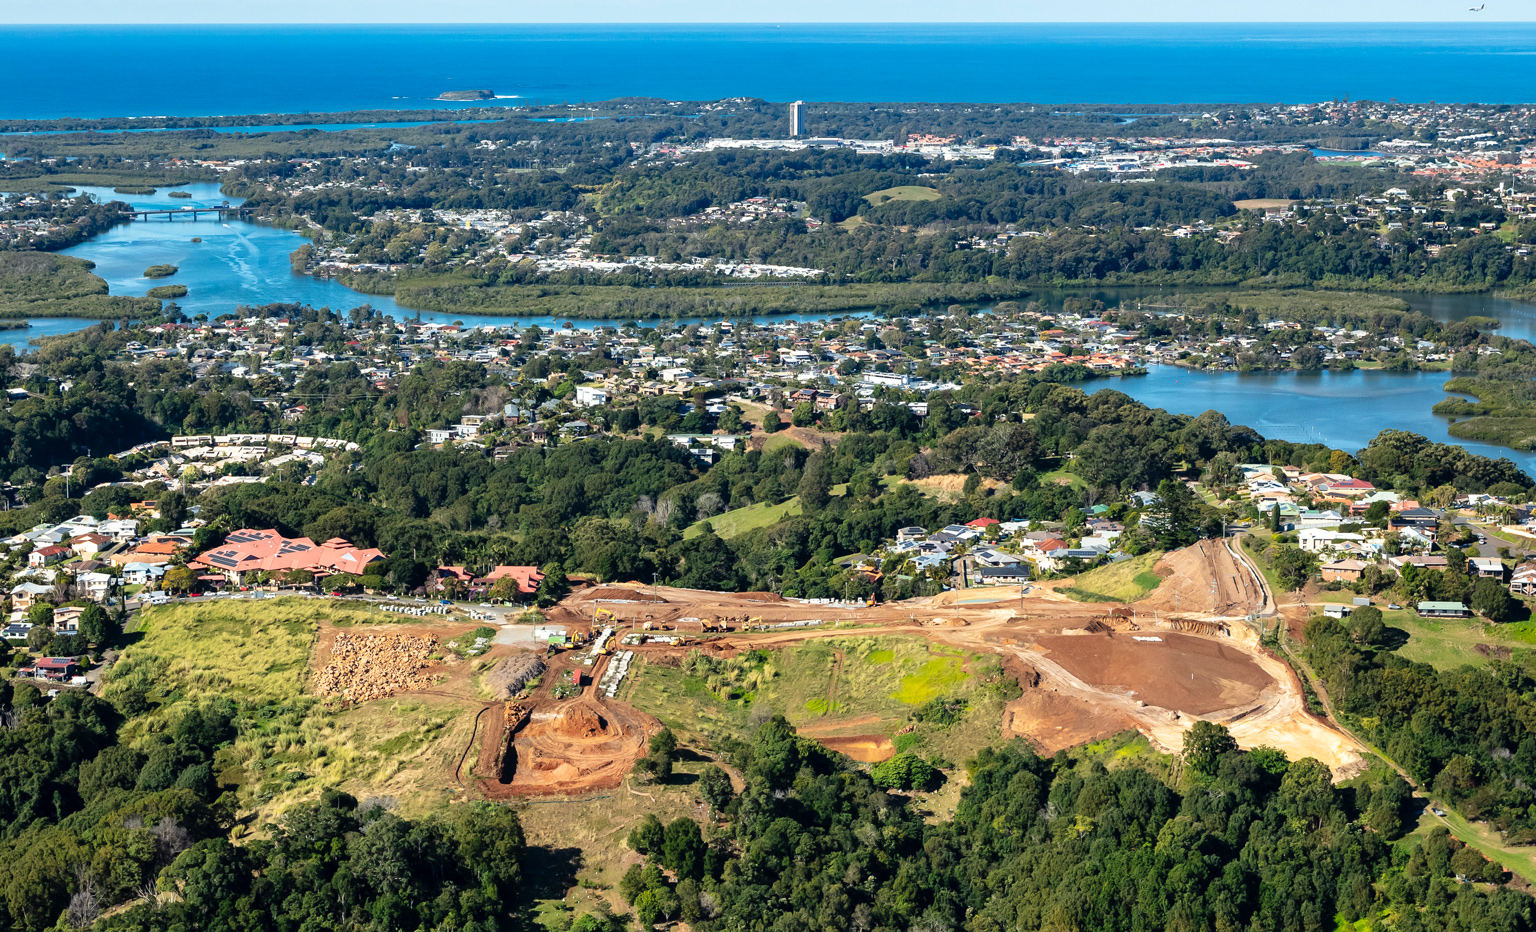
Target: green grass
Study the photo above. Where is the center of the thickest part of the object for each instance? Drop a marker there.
(934, 679)
(1446, 644)
(780, 442)
(740, 520)
(36, 284)
(291, 743)
(1518, 860)
(1125, 581)
(879, 681)
(905, 192)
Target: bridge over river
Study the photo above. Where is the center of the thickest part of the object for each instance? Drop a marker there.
(223, 211)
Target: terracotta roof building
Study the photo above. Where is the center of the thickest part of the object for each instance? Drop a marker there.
(253, 551)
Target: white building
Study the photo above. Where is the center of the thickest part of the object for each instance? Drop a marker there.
(589, 397)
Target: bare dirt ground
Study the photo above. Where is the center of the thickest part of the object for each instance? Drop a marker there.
(1204, 580)
(1084, 674)
(869, 749)
(1084, 654)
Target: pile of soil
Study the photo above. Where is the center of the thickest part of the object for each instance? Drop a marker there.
(1205, 580)
(579, 722)
(618, 593)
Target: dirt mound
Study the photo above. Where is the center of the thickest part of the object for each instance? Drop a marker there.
(578, 722)
(1187, 674)
(1204, 579)
(1053, 722)
(363, 667)
(572, 748)
(620, 594)
(512, 673)
(1497, 652)
(868, 749)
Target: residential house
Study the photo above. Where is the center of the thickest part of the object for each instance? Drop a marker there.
(1014, 575)
(1523, 582)
(95, 586)
(142, 574)
(1318, 540)
(1442, 610)
(25, 595)
(89, 545)
(1489, 567)
(47, 556)
(588, 396)
(1343, 570)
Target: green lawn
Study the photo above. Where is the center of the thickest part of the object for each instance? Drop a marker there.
(740, 520)
(905, 192)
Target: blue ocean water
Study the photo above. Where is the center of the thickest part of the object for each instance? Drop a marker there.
(167, 70)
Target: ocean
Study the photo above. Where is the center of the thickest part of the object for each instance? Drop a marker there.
(83, 71)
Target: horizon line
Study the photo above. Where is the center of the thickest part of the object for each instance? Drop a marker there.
(780, 24)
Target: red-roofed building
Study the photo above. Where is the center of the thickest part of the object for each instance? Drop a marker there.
(526, 577)
(43, 556)
(982, 523)
(252, 551)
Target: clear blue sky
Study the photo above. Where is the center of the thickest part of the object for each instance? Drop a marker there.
(756, 11)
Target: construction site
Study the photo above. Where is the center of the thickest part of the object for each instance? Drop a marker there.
(556, 721)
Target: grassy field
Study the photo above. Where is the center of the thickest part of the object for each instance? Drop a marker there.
(836, 686)
(1519, 860)
(905, 192)
(290, 743)
(1125, 581)
(739, 521)
(780, 442)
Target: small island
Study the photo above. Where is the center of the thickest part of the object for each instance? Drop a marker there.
(179, 194)
(166, 292)
(140, 189)
(480, 94)
(160, 271)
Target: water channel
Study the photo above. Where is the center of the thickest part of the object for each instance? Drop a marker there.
(238, 262)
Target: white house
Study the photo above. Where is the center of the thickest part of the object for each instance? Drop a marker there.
(1318, 540)
(588, 396)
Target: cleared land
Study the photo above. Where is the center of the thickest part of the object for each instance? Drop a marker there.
(1206, 664)
(905, 192)
(1261, 203)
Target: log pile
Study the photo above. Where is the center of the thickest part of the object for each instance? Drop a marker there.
(363, 667)
(513, 673)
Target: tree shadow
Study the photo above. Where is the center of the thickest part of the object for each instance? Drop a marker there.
(548, 872)
(1393, 638)
(690, 756)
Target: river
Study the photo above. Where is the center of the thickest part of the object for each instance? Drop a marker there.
(238, 262)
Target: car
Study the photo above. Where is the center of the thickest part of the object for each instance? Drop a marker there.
(1393, 607)
(392, 597)
(194, 595)
(444, 602)
(335, 593)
